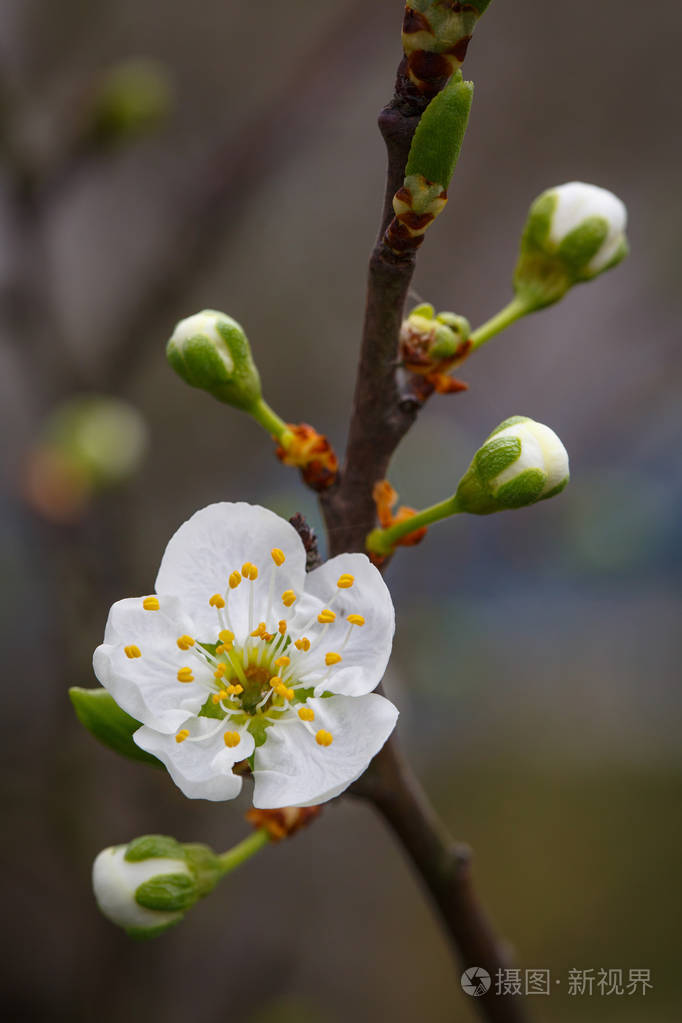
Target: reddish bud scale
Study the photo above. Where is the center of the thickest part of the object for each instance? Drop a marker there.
(283, 823)
(312, 453)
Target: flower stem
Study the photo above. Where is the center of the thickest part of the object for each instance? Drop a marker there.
(382, 541)
(499, 322)
(241, 852)
(270, 421)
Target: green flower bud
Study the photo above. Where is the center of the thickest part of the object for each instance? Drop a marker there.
(211, 351)
(427, 340)
(521, 462)
(148, 885)
(103, 439)
(573, 233)
(131, 99)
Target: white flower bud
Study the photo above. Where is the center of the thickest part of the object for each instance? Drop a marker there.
(573, 233)
(521, 462)
(117, 880)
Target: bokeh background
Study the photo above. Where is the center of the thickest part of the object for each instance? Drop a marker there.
(537, 656)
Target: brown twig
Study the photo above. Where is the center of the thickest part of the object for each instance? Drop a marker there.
(381, 416)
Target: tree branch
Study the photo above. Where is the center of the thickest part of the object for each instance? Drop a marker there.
(445, 870)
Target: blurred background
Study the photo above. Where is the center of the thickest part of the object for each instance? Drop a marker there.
(537, 655)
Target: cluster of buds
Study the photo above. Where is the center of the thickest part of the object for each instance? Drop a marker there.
(436, 36)
(431, 345)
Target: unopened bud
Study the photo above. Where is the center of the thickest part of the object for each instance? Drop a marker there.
(429, 341)
(573, 233)
(211, 351)
(148, 885)
(520, 463)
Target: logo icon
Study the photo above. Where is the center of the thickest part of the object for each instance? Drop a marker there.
(475, 981)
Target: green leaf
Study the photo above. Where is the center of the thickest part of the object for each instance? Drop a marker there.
(438, 139)
(97, 710)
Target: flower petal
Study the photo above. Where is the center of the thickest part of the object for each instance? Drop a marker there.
(292, 769)
(219, 540)
(201, 769)
(367, 647)
(146, 685)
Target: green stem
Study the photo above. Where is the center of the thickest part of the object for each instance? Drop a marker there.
(241, 852)
(382, 541)
(511, 312)
(270, 421)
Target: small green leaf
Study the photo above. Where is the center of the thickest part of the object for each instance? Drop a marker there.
(440, 133)
(97, 710)
(154, 847)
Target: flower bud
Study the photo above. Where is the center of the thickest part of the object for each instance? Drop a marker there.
(573, 233)
(131, 99)
(520, 463)
(211, 351)
(429, 342)
(148, 885)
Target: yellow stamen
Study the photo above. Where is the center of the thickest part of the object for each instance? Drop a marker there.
(217, 601)
(324, 738)
(282, 627)
(185, 642)
(132, 651)
(249, 571)
(355, 620)
(151, 604)
(275, 681)
(259, 630)
(332, 658)
(345, 581)
(288, 598)
(220, 671)
(234, 580)
(232, 739)
(303, 643)
(182, 735)
(277, 556)
(235, 690)
(283, 662)
(185, 675)
(326, 617)
(222, 695)
(306, 714)
(226, 637)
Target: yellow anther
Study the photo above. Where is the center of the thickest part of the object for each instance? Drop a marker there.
(283, 662)
(275, 681)
(220, 671)
(185, 642)
(221, 648)
(182, 735)
(151, 604)
(282, 627)
(217, 601)
(355, 620)
(345, 581)
(226, 637)
(185, 675)
(306, 714)
(232, 739)
(332, 658)
(326, 617)
(278, 556)
(132, 651)
(303, 643)
(288, 598)
(222, 695)
(289, 693)
(324, 738)
(259, 630)
(234, 580)
(249, 571)
(233, 690)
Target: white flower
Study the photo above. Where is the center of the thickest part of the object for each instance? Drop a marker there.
(240, 654)
(115, 881)
(577, 202)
